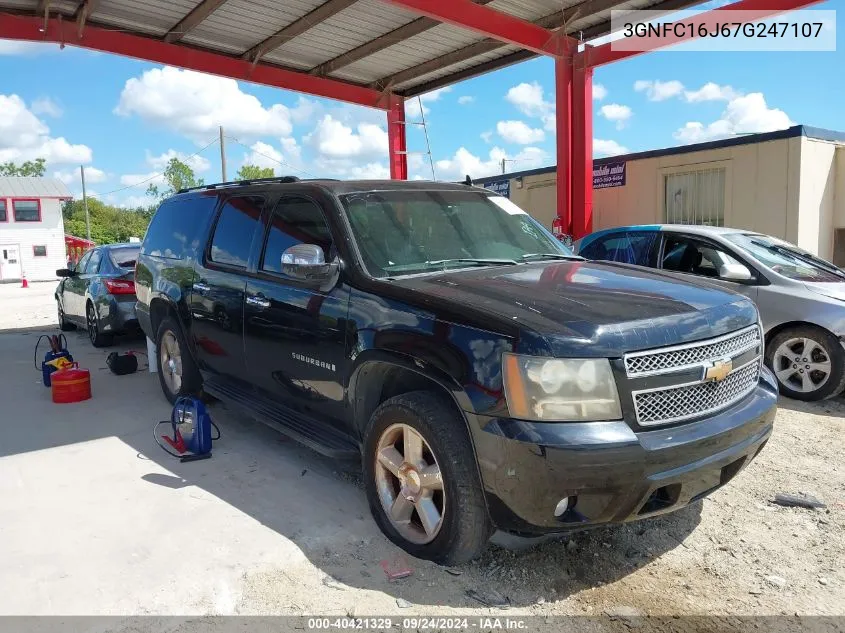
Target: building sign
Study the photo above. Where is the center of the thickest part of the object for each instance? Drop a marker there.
(502, 187)
(609, 175)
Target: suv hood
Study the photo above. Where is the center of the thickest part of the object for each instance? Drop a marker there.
(592, 308)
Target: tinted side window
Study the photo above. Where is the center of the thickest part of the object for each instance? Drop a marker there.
(93, 263)
(631, 247)
(175, 230)
(235, 229)
(687, 255)
(295, 221)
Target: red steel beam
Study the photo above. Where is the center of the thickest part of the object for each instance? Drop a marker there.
(397, 145)
(149, 49)
(762, 9)
(488, 22)
(582, 147)
(563, 123)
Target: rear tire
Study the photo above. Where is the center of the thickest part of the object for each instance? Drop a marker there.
(177, 371)
(455, 495)
(808, 362)
(97, 338)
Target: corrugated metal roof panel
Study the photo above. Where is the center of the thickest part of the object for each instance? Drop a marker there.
(442, 72)
(56, 6)
(435, 42)
(154, 17)
(238, 25)
(23, 187)
(531, 9)
(364, 21)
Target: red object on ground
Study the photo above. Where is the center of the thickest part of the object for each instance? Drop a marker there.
(71, 384)
(24, 282)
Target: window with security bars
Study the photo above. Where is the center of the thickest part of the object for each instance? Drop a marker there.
(695, 197)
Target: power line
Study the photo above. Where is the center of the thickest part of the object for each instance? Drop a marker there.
(154, 176)
(273, 158)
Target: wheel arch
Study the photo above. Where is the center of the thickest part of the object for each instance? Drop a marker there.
(780, 327)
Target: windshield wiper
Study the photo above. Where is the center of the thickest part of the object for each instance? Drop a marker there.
(805, 257)
(471, 260)
(530, 256)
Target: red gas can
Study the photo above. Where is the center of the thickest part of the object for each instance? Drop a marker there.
(71, 384)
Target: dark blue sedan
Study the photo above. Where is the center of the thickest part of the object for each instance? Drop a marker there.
(99, 293)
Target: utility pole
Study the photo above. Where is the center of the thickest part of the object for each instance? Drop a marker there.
(222, 154)
(85, 203)
(503, 166)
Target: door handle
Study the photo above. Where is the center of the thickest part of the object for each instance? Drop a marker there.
(201, 287)
(259, 301)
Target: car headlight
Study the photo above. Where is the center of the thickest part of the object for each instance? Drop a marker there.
(560, 389)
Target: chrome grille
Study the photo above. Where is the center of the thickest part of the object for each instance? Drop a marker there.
(670, 359)
(663, 406)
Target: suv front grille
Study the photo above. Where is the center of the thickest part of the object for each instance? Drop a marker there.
(663, 406)
(672, 359)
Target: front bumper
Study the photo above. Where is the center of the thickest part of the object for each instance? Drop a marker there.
(610, 473)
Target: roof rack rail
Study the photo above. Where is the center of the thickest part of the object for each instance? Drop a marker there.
(252, 181)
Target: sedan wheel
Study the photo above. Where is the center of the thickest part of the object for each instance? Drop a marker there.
(97, 338)
(802, 364)
(64, 325)
(171, 362)
(409, 484)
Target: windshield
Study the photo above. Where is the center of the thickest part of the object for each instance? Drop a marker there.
(407, 232)
(786, 259)
(125, 257)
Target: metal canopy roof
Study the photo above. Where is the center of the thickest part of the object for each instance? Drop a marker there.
(373, 44)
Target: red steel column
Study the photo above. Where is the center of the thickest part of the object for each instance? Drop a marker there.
(582, 148)
(563, 116)
(397, 144)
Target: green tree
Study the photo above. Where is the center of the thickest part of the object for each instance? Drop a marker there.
(253, 172)
(109, 224)
(177, 175)
(37, 167)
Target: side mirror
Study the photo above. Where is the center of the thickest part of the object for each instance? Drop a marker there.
(307, 263)
(65, 272)
(734, 272)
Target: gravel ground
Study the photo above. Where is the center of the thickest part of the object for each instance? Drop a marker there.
(734, 554)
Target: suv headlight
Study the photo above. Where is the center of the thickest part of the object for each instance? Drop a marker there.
(560, 389)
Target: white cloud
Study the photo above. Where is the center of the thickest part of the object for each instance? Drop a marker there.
(744, 114)
(519, 132)
(599, 92)
(15, 47)
(608, 148)
(197, 162)
(133, 180)
(465, 162)
(465, 99)
(620, 114)
(487, 136)
(264, 155)
(195, 104)
(369, 171)
(291, 148)
(47, 107)
(305, 110)
(659, 90)
(23, 136)
(333, 139)
(412, 106)
(72, 176)
(710, 92)
(529, 99)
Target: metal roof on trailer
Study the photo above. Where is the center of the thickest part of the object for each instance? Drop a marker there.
(32, 187)
(368, 43)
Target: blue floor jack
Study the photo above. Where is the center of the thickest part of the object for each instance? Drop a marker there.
(191, 425)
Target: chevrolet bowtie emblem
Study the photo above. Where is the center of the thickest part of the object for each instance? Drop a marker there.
(718, 371)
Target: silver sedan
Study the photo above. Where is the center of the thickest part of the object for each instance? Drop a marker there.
(801, 298)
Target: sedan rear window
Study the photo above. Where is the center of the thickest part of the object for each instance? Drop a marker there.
(125, 257)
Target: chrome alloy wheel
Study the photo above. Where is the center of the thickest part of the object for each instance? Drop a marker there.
(802, 364)
(171, 362)
(409, 484)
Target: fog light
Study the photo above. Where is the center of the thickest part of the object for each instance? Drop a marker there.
(561, 506)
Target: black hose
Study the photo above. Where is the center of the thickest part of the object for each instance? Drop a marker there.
(35, 353)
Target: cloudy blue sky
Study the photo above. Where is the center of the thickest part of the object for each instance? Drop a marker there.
(124, 119)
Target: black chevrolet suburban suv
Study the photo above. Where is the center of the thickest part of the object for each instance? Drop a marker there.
(484, 376)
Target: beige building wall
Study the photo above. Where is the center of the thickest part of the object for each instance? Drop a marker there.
(791, 188)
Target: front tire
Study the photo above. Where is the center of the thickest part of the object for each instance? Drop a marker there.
(808, 362)
(177, 371)
(97, 338)
(421, 479)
